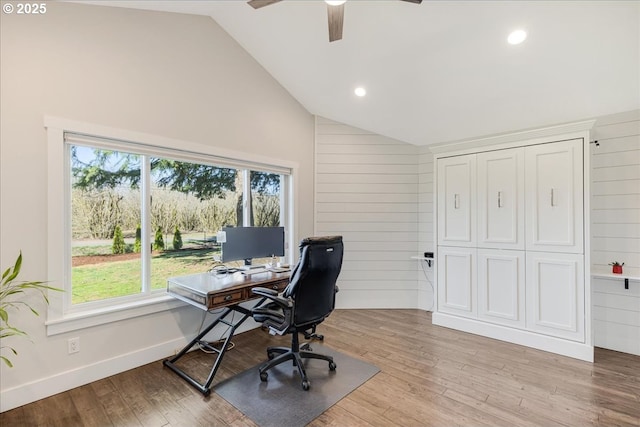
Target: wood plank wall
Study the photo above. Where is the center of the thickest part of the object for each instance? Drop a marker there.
(367, 191)
(615, 229)
(426, 278)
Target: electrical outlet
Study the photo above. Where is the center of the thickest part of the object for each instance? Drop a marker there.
(74, 345)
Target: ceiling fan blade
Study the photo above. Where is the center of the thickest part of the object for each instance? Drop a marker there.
(414, 1)
(257, 4)
(336, 19)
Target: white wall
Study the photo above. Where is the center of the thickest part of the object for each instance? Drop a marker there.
(171, 75)
(615, 230)
(367, 191)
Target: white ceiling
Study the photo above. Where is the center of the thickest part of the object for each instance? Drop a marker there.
(442, 71)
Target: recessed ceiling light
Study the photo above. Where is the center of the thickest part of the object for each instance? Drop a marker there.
(335, 2)
(360, 91)
(517, 37)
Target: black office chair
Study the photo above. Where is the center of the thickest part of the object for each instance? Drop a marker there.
(307, 301)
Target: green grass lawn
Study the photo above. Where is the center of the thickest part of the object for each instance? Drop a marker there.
(119, 278)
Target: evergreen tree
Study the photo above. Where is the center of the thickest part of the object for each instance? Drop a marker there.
(118, 241)
(177, 239)
(158, 243)
(137, 246)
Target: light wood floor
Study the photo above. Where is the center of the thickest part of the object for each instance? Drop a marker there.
(429, 376)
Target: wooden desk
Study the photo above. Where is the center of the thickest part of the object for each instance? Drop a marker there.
(209, 291)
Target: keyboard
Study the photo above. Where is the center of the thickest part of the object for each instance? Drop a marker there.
(279, 269)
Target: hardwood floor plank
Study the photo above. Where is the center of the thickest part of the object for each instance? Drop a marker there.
(130, 387)
(169, 406)
(429, 376)
(84, 398)
(506, 417)
(118, 411)
(337, 416)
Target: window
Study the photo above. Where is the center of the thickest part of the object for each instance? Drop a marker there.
(134, 214)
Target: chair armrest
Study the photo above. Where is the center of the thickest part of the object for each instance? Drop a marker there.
(265, 292)
(272, 295)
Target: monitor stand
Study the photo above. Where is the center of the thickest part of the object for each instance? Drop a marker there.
(248, 266)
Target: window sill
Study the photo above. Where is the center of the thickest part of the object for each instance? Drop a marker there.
(100, 316)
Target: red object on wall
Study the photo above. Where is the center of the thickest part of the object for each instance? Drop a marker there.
(617, 269)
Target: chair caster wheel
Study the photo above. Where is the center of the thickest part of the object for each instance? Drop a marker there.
(332, 366)
(263, 376)
(305, 385)
(270, 356)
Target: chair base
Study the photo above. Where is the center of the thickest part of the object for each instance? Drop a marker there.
(311, 334)
(285, 354)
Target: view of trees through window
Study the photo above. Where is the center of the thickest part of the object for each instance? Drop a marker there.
(188, 203)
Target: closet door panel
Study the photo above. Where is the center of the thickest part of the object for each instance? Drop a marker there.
(555, 294)
(501, 287)
(554, 197)
(457, 281)
(501, 199)
(457, 201)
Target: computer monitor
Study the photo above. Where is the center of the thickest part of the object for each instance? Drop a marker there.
(245, 243)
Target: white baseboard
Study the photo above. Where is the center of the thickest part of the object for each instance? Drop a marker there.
(555, 345)
(30, 392)
(63, 381)
(376, 299)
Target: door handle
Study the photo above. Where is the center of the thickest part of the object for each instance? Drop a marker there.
(499, 199)
(553, 201)
(456, 201)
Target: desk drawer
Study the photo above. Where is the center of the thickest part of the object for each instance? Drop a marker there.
(227, 298)
(278, 286)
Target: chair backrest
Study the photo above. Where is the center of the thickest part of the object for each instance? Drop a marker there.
(313, 280)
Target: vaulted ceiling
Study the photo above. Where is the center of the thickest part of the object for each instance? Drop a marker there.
(442, 70)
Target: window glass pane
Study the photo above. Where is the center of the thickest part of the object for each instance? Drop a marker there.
(265, 203)
(105, 211)
(190, 203)
(265, 199)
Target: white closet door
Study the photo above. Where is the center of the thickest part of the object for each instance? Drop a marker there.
(501, 287)
(457, 201)
(457, 281)
(501, 199)
(555, 294)
(554, 197)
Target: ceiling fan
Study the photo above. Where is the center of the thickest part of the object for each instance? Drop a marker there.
(335, 10)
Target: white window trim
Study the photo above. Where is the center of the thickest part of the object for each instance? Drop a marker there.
(60, 317)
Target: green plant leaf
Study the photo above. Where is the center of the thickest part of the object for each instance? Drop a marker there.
(16, 269)
(6, 361)
(7, 334)
(11, 288)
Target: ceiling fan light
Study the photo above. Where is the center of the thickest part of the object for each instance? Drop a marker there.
(335, 2)
(360, 91)
(517, 37)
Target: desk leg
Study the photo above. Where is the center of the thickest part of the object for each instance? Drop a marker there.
(205, 388)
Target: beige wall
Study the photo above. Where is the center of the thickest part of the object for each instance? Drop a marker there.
(171, 75)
